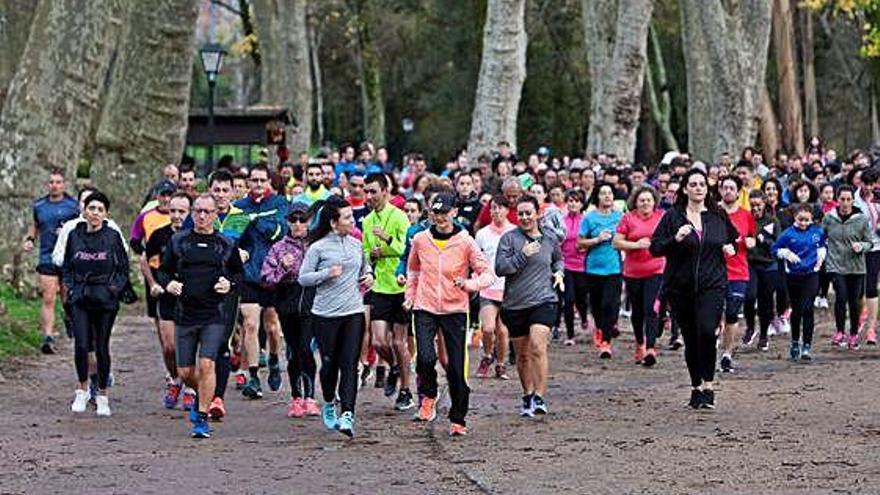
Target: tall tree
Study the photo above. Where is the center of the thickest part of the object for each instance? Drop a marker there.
(617, 42)
(372, 103)
(144, 118)
(787, 77)
(659, 100)
(53, 97)
(808, 62)
(502, 73)
(725, 49)
(769, 127)
(15, 26)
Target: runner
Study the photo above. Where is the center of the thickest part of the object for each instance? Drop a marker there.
(384, 239)
(95, 274)
(642, 271)
(315, 189)
(336, 265)
(575, 263)
(531, 263)
(694, 236)
(495, 337)
(199, 267)
(50, 213)
(865, 201)
(763, 272)
(445, 264)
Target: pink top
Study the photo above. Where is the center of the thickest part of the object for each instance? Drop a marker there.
(572, 259)
(639, 263)
(487, 239)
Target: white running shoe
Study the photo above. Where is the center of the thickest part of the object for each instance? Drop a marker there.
(80, 401)
(103, 403)
(786, 326)
(824, 303)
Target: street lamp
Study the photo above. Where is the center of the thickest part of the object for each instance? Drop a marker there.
(212, 60)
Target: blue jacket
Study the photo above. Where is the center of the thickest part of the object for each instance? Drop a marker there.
(806, 244)
(268, 225)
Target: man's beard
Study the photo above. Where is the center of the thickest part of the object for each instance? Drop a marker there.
(315, 185)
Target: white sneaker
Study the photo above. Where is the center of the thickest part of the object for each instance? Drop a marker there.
(80, 400)
(817, 303)
(786, 326)
(103, 403)
(824, 303)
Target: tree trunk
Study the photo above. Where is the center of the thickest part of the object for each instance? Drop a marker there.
(769, 130)
(501, 78)
(317, 78)
(725, 51)
(15, 26)
(372, 104)
(811, 106)
(616, 34)
(661, 106)
(302, 102)
(52, 99)
(144, 120)
(268, 18)
(787, 74)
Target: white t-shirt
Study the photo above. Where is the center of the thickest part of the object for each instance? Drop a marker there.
(487, 239)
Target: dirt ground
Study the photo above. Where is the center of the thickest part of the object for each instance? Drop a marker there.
(614, 428)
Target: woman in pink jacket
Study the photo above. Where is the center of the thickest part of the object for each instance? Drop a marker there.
(437, 289)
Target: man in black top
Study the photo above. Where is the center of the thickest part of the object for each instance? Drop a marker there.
(199, 267)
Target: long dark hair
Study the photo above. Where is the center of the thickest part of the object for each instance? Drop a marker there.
(327, 213)
(681, 199)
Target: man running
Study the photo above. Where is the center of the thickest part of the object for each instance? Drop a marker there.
(384, 238)
(315, 190)
(50, 212)
(199, 268)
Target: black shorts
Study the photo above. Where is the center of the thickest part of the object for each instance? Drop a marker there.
(519, 321)
(388, 307)
(489, 302)
(152, 304)
(49, 269)
(257, 294)
(872, 264)
(166, 307)
(207, 338)
(736, 295)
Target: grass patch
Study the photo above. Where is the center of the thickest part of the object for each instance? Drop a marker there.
(19, 324)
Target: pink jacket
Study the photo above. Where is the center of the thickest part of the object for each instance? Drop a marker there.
(431, 273)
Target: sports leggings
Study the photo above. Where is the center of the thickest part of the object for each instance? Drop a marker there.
(642, 294)
(339, 339)
(222, 364)
(92, 325)
(762, 286)
(574, 298)
(605, 302)
(698, 316)
(454, 335)
(848, 290)
(301, 367)
(802, 290)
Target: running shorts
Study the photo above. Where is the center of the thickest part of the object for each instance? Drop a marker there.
(520, 321)
(733, 303)
(49, 269)
(256, 294)
(207, 338)
(388, 307)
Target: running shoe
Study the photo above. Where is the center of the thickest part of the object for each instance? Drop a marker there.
(172, 395)
(457, 430)
(640, 353)
(264, 358)
(775, 327)
(527, 409)
(189, 400)
(749, 337)
(93, 388)
(708, 400)
(853, 343)
(297, 408)
(328, 414)
(726, 364)
(380, 377)
(366, 374)
(253, 389)
(501, 372)
(200, 428)
(871, 336)
(650, 358)
(484, 367)
(217, 409)
(817, 303)
(274, 378)
(806, 355)
(346, 424)
(823, 303)
(839, 339)
(312, 408)
(764, 344)
(103, 404)
(428, 409)
(625, 313)
(696, 398)
(193, 415)
(786, 325)
(235, 361)
(569, 342)
(240, 381)
(676, 343)
(80, 401)
(404, 400)
(555, 334)
(794, 351)
(605, 350)
(391, 381)
(48, 346)
(597, 337)
(538, 404)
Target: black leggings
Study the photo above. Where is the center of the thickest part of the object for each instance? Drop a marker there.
(872, 267)
(222, 364)
(763, 284)
(92, 325)
(698, 316)
(824, 282)
(339, 339)
(301, 367)
(642, 294)
(848, 291)
(605, 302)
(574, 297)
(802, 290)
(454, 336)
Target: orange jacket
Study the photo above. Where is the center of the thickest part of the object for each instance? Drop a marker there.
(431, 273)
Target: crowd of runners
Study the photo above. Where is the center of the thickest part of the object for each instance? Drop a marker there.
(355, 272)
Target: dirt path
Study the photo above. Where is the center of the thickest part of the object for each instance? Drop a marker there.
(614, 428)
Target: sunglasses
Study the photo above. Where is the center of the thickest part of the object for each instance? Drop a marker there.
(297, 219)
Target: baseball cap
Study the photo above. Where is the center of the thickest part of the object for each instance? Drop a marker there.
(443, 202)
(165, 186)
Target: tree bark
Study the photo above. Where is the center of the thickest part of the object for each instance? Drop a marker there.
(317, 77)
(301, 84)
(15, 26)
(660, 105)
(616, 34)
(144, 120)
(725, 50)
(769, 130)
(811, 106)
(372, 103)
(787, 74)
(52, 99)
(501, 78)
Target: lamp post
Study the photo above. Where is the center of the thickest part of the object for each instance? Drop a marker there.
(212, 60)
(408, 125)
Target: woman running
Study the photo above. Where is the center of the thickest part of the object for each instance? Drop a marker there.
(574, 260)
(334, 263)
(641, 270)
(603, 266)
(826, 203)
(763, 272)
(695, 235)
(95, 274)
(864, 201)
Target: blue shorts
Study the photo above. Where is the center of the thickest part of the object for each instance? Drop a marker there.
(733, 303)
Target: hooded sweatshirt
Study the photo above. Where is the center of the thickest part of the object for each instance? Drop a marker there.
(842, 233)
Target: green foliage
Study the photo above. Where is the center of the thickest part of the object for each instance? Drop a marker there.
(19, 323)
(865, 13)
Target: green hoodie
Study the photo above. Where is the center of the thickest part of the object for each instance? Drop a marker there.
(841, 236)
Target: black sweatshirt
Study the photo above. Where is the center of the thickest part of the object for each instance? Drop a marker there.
(95, 269)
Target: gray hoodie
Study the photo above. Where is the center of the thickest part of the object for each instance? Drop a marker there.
(841, 235)
(335, 296)
(529, 279)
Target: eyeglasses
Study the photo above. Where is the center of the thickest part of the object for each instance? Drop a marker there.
(203, 211)
(297, 219)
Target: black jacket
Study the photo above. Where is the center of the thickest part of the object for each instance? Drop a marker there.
(95, 269)
(468, 211)
(697, 263)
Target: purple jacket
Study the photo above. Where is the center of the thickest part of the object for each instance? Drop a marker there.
(273, 272)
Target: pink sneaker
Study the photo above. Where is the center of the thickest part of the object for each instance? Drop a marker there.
(853, 342)
(839, 338)
(297, 408)
(312, 408)
(871, 336)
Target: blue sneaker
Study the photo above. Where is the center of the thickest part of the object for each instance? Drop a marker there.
(806, 354)
(200, 428)
(264, 359)
(346, 424)
(193, 416)
(253, 389)
(527, 409)
(275, 378)
(328, 414)
(794, 351)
